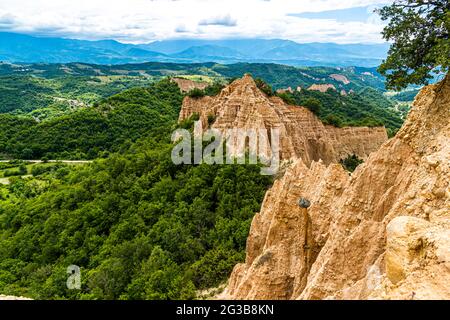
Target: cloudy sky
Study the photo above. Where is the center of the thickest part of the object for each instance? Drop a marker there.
(138, 21)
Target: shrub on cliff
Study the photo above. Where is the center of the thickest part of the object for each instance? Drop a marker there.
(214, 89)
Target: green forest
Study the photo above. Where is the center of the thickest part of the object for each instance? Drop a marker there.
(138, 226)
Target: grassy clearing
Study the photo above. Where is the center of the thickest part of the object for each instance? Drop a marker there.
(198, 78)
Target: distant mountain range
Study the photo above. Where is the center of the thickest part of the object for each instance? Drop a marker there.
(29, 49)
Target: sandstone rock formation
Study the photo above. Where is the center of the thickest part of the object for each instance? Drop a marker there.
(187, 85)
(243, 105)
(382, 233)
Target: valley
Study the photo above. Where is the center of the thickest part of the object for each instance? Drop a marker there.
(132, 209)
(68, 111)
(132, 199)
(224, 150)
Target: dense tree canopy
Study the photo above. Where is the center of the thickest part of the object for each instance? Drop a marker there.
(138, 226)
(420, 35)
(364, 108)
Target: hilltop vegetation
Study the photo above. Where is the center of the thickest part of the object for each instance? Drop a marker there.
(69, 111)
(365, 108)
(282, 76)
(137, 225)
(25, 48)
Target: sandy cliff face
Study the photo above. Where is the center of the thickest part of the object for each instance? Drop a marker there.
(383, 233)
(243, 105)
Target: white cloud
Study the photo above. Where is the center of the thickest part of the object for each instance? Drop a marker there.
(147, 20)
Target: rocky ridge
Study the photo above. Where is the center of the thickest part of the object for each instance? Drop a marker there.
(382, 233)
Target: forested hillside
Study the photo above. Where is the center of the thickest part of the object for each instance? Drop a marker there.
(70, 118)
